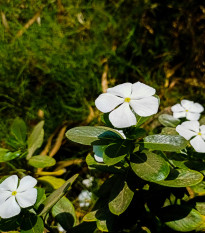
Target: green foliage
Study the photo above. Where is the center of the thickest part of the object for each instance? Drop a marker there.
(168, 120)
(39, 161)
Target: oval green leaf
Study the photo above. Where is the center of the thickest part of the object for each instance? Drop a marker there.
(63, 211)
(40, 161)
(120, 197)
(149, 166)
(165, 142)
(182, 178)
(168, 120)
(6, 155)
(88, 135)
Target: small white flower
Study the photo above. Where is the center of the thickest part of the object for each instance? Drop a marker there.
(192, 130)
(84, 198)
(187, 109)
(88, 182)
(14, 197)
(99, 149)
(138, 97)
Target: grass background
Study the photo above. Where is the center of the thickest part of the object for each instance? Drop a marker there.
(54, 53)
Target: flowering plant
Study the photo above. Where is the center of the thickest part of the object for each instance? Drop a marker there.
(153, 177)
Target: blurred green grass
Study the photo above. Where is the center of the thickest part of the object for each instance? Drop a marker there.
(56, 63)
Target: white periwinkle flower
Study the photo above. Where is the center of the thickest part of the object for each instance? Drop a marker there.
(99, 149)
(84, 198)
(187, 109)
(13, 197)
(88, 182)
(192, 130)
(119, 101)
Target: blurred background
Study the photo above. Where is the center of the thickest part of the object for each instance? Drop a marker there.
(57, 56)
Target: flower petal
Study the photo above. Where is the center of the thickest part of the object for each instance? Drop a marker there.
(191, 125)
(122, 117)
(9, 208)
(179, 114)
(107, 102)
(141, 90)
(184, 132)
(198, 144)
(98, 150)
(10, 184)
(177, 108)
(26, 183)
(187, 104)
(202, 128)
(4, 195)
(122, 90)
(196, 107)
(192, 116)
(27, 198)
(146, 106)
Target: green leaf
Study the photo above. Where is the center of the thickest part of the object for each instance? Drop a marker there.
(141, 120)
(135, 133)
(40, 197)
(10, 224)
(199, 189)
(64, 212)
(90, 217)
(88, 135)
(56, 196)
(40, 161)
(53, 181)
(149, 166)
(85, 227)
(182, 178)
(92, 164)
(181, 218)
(169, 131)
(35, 140)
(6, 155)
(168, 120)
(105, 220)
(32, 224)
(18, 130)
(165, 142)
(115, 152)
(120, 197)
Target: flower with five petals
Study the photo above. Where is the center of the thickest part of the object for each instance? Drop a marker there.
(124, 99)
(13, 197)
(187, 109)
(192, 130)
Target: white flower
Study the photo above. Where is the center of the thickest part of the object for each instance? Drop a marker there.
(138, 96)
(85, 198)
(13, 197)
(192, 130)
(99, 149)
(88, 182)
(187, 109)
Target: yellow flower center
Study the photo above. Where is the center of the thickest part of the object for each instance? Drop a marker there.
(199, 134)
(127, 99)
(187, 110)
(14, 193)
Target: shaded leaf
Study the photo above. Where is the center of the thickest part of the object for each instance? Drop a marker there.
(18, 130)
(168, 120)
(32, 224)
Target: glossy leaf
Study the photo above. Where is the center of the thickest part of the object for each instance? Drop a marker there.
(168, 120)
(6, 155)
(64, 212)
(149, 166)
(181, 218)
(165, 142)
(88, 135)
(56, 196)
(120, 197)
(35, 140)
(40, 161)
(32, 224)
(115, 152)
(40, 197)
(182, 178)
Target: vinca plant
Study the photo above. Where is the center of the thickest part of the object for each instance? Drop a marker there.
(155, 181)
(152, 181)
